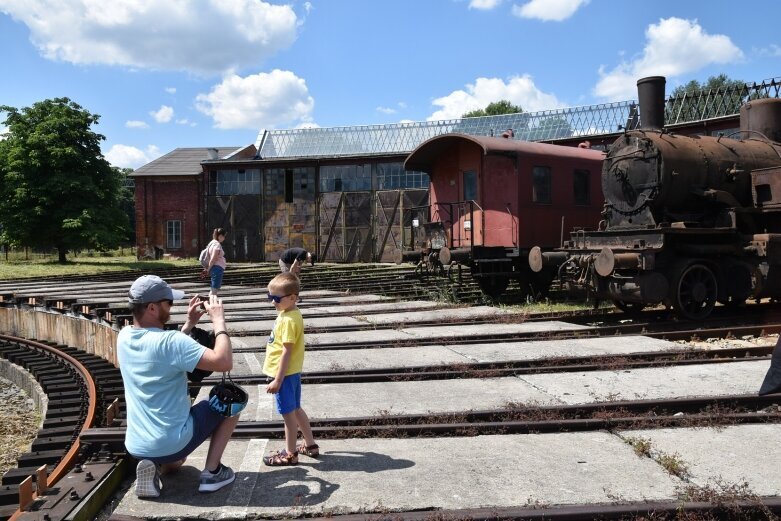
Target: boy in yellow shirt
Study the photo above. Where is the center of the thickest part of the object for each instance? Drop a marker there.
(284, 363)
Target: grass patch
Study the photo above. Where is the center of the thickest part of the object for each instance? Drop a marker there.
(552, 307)
(84, 265)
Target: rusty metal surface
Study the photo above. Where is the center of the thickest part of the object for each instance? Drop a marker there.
(766, 188)
(761, 118)
(647, 169)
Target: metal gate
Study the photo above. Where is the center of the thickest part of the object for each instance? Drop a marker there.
(390, 208)
(240, 216)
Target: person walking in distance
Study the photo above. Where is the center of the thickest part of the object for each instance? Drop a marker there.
(292, 260)
(216, 267)
(162, 426)
(284, 362)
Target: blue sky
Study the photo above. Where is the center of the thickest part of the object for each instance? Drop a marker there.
(164, 74)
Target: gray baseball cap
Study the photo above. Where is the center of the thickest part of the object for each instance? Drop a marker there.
(151, 288)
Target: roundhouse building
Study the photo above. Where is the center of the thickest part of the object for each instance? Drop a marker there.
(342, 192)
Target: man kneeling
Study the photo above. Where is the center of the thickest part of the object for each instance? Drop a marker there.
(162, 427)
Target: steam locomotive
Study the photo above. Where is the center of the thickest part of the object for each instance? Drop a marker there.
(688, 221)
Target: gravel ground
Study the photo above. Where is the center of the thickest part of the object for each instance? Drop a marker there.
(18, 424)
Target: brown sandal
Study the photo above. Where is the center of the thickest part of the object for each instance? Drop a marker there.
(281, 458)
(312, 451)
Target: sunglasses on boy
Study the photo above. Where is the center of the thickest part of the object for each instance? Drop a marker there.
(277, 298)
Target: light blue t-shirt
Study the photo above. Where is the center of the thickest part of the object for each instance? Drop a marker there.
(154, 365)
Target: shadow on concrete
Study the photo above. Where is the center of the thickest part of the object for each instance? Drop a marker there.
(335, 461)
(285, 487)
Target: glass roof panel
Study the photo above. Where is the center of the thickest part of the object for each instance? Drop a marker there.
(547, 125)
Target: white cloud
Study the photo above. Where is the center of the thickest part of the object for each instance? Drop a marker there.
(548, 10)
(170, 90)
(402, 105)
(185, 121)
(134, 123)
(263, 100)
(163, 114)
(519, 90)
(3, 131)
(199, 36)
(124, 156)
(483, 4)
(771, 50)
(673, 47)
(308, 124)
(386, 110)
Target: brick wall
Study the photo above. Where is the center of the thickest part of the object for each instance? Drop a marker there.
(162, 199)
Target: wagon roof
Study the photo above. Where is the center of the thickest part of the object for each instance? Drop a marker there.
(426, 154)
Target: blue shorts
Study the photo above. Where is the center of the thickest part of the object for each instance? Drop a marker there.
(205, 422)
(288, 398)
(216, 274)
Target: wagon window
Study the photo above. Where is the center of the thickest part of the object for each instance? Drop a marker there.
(580, 184)
(541, 184)
(470, 185)
(173, 234)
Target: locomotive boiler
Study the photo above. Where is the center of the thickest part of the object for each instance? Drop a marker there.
(492, 199)
(688, 221)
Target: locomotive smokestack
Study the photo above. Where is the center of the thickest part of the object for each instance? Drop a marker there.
(650, 97)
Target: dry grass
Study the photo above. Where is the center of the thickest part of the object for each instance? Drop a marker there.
(17, 428)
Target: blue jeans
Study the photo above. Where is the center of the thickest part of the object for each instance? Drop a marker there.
(216, 274)
(205, 422)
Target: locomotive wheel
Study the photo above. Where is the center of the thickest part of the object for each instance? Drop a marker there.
(493, 287)
(696, 292)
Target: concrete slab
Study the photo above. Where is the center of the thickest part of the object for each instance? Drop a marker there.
(405, 305)
(536, 350)
(432, 355)
(309, 323)
(443, 315)
(730, 455)
(417, 397)
(652, 383)
(446, 331)
(386, 475)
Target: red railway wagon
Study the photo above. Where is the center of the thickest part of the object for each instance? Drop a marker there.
(492, 199)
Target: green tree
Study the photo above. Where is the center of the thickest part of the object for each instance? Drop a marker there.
(717, 96)
(127, 202)
(494, 109)
(56, 188)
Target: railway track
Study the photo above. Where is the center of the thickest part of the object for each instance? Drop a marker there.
(100, 461)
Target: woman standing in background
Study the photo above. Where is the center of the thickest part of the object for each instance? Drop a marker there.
(217, 263)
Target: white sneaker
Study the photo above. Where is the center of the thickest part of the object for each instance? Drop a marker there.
(213, 482)
(148, 483)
